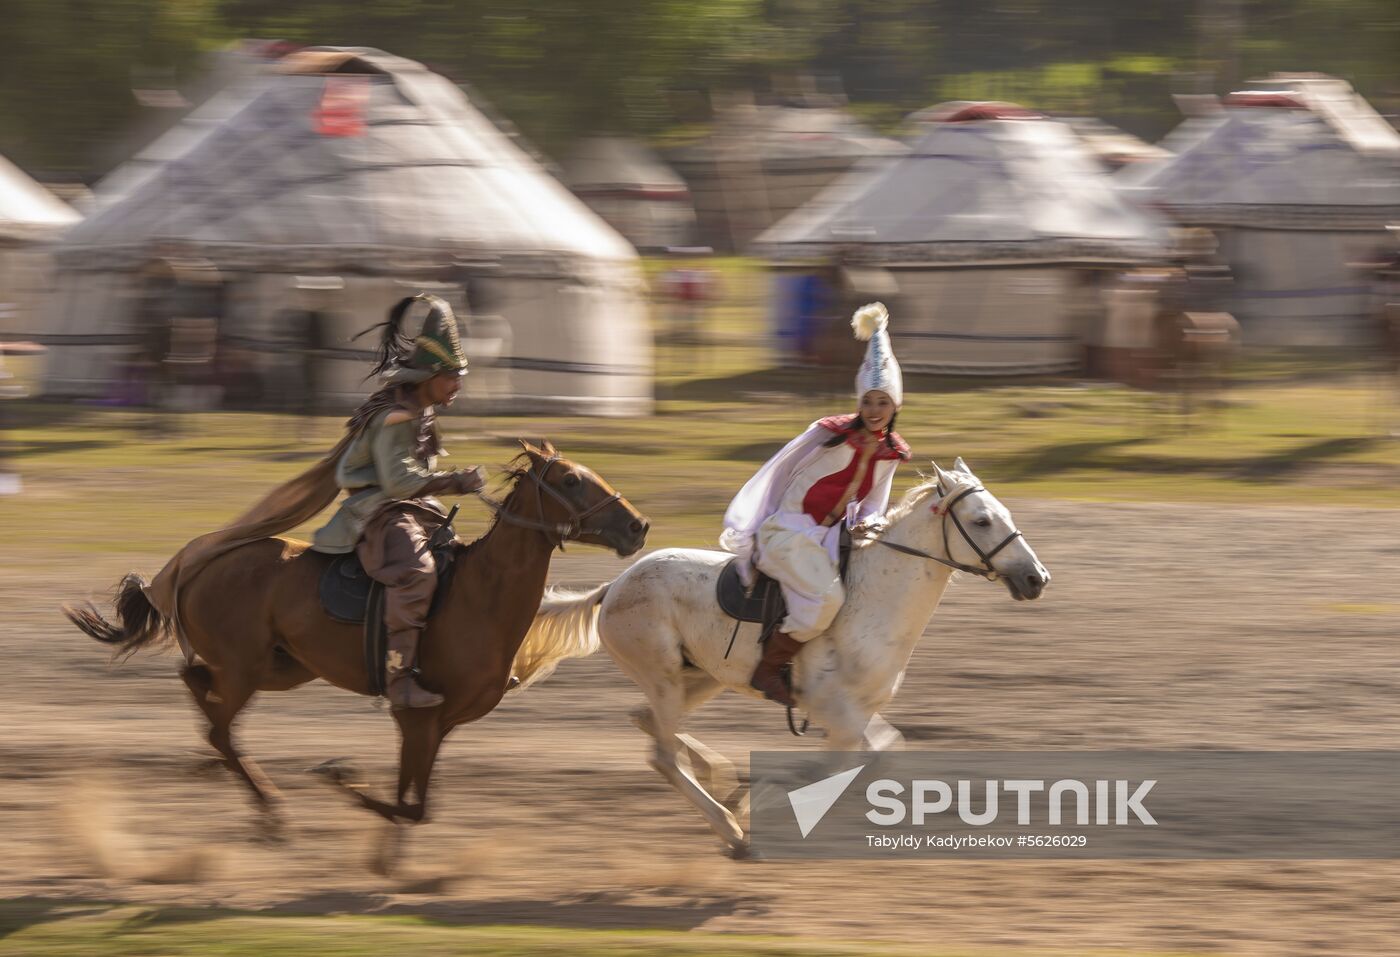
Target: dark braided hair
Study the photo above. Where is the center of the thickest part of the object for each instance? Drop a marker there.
(394, 345)
(856, 426)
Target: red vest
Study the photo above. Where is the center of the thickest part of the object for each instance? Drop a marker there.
(825, 494)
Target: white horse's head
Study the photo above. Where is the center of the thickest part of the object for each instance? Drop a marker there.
(978, 532)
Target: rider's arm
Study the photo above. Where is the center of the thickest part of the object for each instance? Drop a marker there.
(870, 511)
(402, 475)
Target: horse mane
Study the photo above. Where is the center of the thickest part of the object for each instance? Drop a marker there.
(911, 500)
(508, 481)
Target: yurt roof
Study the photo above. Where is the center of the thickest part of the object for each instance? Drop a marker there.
(973, 190)
(1190, 131)
(350, 159)
(1345, 110)
(28, 211)
(777, 134)
(1268, 159)
(1112, 146)
(241, 72)
(613, 163)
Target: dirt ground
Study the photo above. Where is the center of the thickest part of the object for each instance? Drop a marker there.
(1165, 627)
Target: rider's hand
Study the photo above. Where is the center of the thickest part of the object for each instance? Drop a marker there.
(869, 528)
(470, 480)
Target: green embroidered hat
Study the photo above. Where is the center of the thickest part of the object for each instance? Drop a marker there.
(437, 347)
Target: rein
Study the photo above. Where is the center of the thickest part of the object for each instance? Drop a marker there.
(987, 570)
(562, 532)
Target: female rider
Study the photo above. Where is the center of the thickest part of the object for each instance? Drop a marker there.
(787, 520)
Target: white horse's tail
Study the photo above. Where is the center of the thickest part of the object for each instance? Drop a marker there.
(566, 626)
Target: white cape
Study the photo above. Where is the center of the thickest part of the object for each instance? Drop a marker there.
(761, 498)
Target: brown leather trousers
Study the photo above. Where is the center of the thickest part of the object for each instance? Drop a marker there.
(394, 550)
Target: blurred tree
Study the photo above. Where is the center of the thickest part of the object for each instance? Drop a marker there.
(558, 68)
(67, 69)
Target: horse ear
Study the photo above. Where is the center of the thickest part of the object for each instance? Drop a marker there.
(548, 448)
(527, 448)
(960, 466)
(945, 481)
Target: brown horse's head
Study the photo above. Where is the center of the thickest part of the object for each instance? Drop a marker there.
(577, 502)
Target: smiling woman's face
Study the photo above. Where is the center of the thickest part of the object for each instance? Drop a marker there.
(876, 410)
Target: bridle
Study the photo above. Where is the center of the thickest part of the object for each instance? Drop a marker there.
(987, 570)
(557, 532)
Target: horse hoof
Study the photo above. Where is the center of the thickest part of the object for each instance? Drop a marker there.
(744, 852)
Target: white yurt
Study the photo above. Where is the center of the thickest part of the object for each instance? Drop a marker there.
(1298, 186)
(31, 221)
(763, 161)
(339, 181)
(629, 185)
(984, 242)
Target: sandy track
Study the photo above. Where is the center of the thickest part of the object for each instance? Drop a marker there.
(1165, 627)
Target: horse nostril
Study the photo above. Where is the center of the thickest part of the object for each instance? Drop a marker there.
(637, 526)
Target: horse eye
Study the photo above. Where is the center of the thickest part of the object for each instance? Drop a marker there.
(571, 480)
(983, 523)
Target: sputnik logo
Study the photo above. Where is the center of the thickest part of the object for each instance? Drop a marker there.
(811, 802)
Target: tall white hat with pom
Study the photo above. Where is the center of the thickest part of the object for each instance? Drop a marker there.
(880, 369)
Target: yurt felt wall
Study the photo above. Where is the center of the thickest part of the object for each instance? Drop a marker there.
(31, 221)
(368, 168)
(989, 233)
(978, 320)
(1301, 287)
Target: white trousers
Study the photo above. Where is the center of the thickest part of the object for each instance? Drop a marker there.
(810, 579)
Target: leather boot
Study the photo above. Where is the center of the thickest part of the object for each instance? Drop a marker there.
(772, 676)
(403, 689)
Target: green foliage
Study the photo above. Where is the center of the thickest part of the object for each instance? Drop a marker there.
(59, 929)
(67, 69)
(558, 68)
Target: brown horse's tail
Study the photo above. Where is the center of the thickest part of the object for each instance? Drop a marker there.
(140, 623)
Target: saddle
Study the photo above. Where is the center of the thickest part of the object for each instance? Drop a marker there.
(349, 595)
(764, 603)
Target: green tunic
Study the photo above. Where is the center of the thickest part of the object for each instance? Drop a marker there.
(383, 464)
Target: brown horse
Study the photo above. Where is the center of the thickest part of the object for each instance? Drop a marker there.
(253, 619)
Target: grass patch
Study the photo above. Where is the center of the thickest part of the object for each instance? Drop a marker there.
(54, 929)
(1290, 433)
(1360, 608)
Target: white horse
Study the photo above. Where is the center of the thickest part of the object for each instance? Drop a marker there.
(661, 623)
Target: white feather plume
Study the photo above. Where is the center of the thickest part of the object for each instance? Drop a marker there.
(869, 319)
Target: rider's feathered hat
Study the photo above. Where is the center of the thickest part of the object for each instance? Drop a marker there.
(879, 370)
(437, 347)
